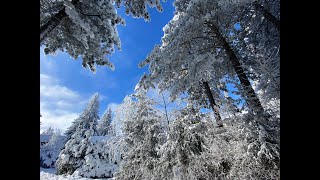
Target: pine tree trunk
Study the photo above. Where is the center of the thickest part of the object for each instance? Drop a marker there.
(252, 98)
(54, 22)
(267, 15)
(51, 24)
(213, 104)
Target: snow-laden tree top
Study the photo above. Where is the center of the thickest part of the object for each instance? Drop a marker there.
(87, 28)
(104, 125)
(189, 53)
(195, 48)
(88, 117)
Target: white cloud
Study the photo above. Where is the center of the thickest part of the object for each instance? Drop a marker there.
(59, 105)
(50, 88)
(61, 121)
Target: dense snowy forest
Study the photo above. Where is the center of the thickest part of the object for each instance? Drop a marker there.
(217, 132)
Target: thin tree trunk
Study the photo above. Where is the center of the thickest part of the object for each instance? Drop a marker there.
(213, 104)
(165, 109)
(252, 98)
(267, 15)
(54, 22)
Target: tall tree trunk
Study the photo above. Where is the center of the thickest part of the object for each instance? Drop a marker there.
(252, 98)
(213, 104)
(267, 14)
(54, 22)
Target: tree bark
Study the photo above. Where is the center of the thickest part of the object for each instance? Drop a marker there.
(213, 104)
(54, 22)
(267, 15)
(252, 98)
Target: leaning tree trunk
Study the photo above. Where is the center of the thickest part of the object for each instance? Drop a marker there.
(54, 22)
(252, 98)
(213, 104)
(267, 15)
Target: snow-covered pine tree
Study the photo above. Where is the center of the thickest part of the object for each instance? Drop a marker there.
(184, 155)
(189, 44)
(86, 29)
(181, 64)
(143, 135)
(72, 156)
(257, 41)
(104, 125)
(72, 129)
(90, 113)
(48, 132)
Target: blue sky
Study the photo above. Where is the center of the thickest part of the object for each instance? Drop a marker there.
(66, 87)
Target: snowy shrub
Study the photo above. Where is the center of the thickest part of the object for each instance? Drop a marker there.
(72, 156)
(100, 160)
(49, 151)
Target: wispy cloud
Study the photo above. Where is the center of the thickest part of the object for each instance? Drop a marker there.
(49, 88)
